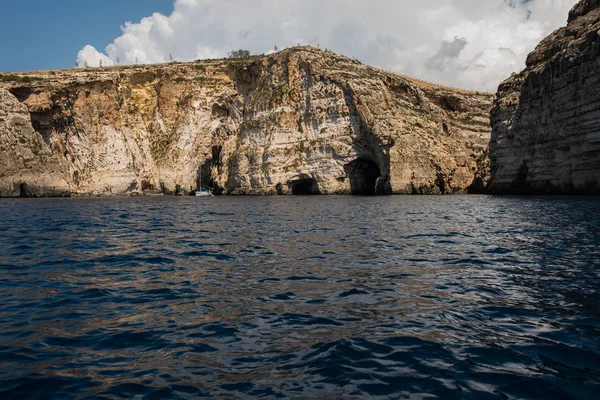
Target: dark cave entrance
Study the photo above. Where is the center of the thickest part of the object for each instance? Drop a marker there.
(205, 173)
(22, 190)
(363, 176)
(204, 177)
(304, 187)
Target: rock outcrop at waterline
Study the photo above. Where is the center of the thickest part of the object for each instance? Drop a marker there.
(299, 121)
(546, 120)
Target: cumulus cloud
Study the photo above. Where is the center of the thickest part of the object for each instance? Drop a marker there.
(90, 57)
(473, 44)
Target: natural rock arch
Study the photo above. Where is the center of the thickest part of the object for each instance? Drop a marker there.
(363, 175)
(304, 186)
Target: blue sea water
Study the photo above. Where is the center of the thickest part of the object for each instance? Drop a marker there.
(459, 297)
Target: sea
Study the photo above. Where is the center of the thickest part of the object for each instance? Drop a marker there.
(404, 297)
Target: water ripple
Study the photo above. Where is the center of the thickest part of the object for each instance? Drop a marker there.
(340, 297)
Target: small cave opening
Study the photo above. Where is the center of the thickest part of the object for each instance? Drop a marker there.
(451, 103)
(147, 185)
(304, 187)
(220, 111)
(133, 186)
(363, 176)
(446, 128)
(22, 190)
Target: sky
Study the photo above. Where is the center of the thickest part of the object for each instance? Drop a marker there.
(473, 44)
(41, 34)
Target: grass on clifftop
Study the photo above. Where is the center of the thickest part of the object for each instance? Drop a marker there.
(20, 79)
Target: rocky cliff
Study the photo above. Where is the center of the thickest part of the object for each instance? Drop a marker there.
(27, 164)
(546, 120)
(299, 121)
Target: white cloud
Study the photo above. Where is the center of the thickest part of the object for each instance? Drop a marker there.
(90, 57)
(466, 43)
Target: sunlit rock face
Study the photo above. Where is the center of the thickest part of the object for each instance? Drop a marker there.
(546, 120)
(28, 166)
(302, 121)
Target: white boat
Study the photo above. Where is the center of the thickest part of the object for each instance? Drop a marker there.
(202, 192)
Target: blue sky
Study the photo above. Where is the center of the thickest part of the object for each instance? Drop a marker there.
(42, 34)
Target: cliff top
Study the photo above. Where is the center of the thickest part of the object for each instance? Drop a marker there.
(582, 8)
(46, 78)
(568, 42)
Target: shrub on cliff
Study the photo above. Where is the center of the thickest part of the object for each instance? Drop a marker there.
(22, 79)
(10, 78)
(239, 54)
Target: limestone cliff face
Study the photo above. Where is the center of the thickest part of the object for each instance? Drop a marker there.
(27, 165)
(546, 120)
(300, 121)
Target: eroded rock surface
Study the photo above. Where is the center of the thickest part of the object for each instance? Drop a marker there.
(28, 167)
(302, 121)
(546, 120)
